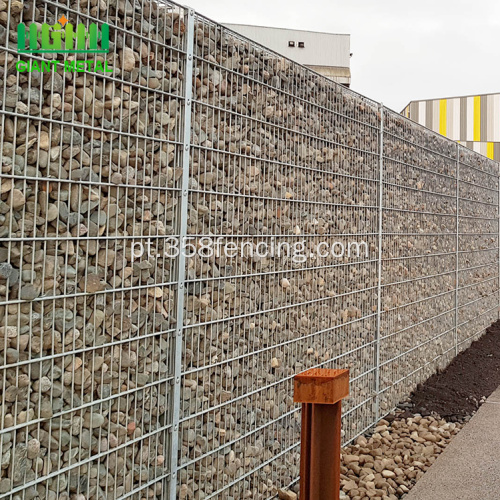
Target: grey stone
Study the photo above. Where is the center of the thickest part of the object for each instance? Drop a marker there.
(6, 270)
(29, 292)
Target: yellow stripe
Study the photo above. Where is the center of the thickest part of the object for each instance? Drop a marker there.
(442, 116)
(477, 118)
(490, 150)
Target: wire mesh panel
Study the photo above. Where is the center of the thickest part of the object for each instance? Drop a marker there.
(419, 256)
(280, 157)
(478, 246)
(90, 177)
(189, 220)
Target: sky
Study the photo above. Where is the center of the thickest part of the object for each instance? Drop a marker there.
(402, 51)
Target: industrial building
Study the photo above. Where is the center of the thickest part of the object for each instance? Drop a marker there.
(326, 53)
(474, 120)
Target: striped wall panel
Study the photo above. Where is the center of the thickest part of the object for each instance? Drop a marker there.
(472, 120)
(489, 149)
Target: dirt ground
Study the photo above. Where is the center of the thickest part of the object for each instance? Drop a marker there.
(460, 389)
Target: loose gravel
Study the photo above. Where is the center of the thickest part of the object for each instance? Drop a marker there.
(388, 462)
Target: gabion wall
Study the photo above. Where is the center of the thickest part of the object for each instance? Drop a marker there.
(138, 375)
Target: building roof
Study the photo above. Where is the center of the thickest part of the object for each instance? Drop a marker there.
(286, 29)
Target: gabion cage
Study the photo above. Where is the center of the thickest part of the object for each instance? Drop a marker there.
(131, 370)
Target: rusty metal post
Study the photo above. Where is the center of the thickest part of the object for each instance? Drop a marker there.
(320, 390)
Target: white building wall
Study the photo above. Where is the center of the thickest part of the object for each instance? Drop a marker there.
(320, 49)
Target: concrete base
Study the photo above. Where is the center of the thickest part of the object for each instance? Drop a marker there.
(469, 468)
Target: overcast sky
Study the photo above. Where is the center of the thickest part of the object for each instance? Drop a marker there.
(403, 50)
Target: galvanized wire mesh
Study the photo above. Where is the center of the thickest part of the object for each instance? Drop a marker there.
(478, 230)
(90, 167)
(129, 373)
(278, 153)
(418, 256)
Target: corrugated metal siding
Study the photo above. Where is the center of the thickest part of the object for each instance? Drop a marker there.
(472, 120)
(496, 118)
(489, 149)
(463, 119)
(428, 114)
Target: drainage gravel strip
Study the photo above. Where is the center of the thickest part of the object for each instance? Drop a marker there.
(388, 462)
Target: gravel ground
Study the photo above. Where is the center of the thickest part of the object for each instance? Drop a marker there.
(388, 463)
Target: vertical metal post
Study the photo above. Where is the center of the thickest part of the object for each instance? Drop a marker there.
(379, 265)
(320, 390)
(181, 270)
(457, 243)
(498, 245)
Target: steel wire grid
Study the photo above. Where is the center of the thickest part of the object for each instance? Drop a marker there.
(148, 376)
(478, 264)
(270, 159)
(91, 165)
(419, 257)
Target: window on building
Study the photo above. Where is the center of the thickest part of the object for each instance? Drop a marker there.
(301, 45)
(291, 44)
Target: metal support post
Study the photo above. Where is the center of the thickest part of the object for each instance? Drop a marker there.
(181, 270)
(379, 265)
(498, 246)
(457, 244)
(320, 390)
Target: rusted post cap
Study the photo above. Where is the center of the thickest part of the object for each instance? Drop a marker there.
(321, 385)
